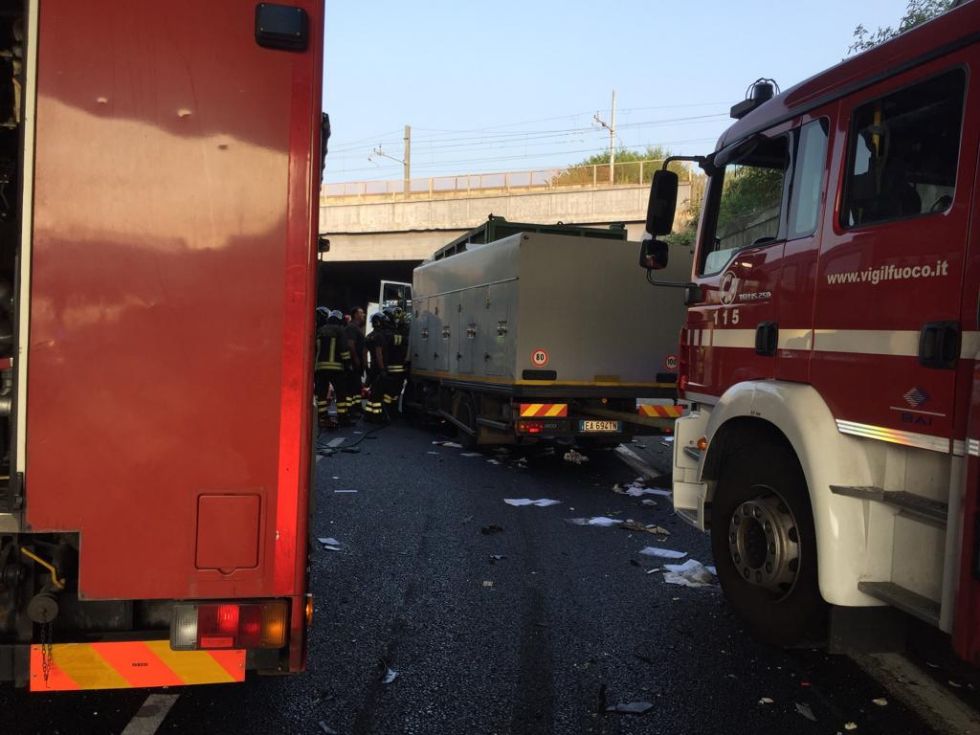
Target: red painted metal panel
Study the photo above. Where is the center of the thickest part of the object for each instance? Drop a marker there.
(846, 379)
(172, 290)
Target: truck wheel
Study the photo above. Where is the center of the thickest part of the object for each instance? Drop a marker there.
(466, 414)
(765, 547)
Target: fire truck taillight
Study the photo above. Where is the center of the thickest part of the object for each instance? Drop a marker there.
(682, 384)
(228, 625)
(530, 427)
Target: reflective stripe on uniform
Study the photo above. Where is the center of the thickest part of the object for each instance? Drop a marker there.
(396, 368)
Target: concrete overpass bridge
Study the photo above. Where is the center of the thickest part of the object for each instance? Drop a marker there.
(383, 229)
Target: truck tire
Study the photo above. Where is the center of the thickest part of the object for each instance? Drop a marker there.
(764, 545)
(465, 413)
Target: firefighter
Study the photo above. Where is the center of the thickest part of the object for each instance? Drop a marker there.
(396, 358)
(355, 343)
(377, 347)
(332, 368)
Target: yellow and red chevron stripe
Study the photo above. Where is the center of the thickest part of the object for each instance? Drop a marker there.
(660, 412)
(130, 664)
(544, 410)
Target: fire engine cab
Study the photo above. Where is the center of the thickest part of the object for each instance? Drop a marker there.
(830, 350)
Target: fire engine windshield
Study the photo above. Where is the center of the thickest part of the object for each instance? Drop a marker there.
(743, 204)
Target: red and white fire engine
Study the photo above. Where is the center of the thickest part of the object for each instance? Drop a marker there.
(831, 345)
(159, 171)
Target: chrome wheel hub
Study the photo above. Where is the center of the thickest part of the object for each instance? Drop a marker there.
(764, 543)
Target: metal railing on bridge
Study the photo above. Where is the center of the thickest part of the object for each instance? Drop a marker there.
(582, 176)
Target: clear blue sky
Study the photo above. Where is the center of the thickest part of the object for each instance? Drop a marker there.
(511, 86)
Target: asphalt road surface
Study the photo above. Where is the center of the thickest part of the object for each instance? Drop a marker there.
(569, 621)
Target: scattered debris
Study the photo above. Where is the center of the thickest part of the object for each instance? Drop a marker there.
(631, 525)
(329, 543)
(691, 573)
(662, 552)
(636, 491)
(540, 502)
(496, 557)
(436, 453)
(850, 726)
(336, 442)
(493, 461)
(766, 700)
(804, 709)
(470, 454)
(345, 491)
(880, 701)
(488, 583)
(451, 445)
(492, 528)
(326, 729)
(521, 463)
(651, 571)
(575, 457)
(630, 708)
(955, 684)
(390, 676)
(649, 503)
(602, 521)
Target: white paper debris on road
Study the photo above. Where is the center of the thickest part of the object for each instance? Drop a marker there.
(850, 726)
(336, 442)
(345, 491)
(804, 709)
(329, 543)
(880, 701)
(451, 445)
(637, 491)
(663, 553)
(540, 502)
(766, 700)
(493, 461)
(630, 708)
(390, 676)
(575, 457)
(470, 454)
(601, 521)
(691, 573)
(436, 453)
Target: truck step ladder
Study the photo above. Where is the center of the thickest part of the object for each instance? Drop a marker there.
(903, 599)
(921, 508)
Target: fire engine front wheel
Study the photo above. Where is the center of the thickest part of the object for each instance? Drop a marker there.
(764, 546)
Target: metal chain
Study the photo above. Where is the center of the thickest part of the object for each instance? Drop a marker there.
(47, 636)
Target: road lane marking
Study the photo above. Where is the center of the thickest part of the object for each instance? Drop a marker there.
(151, 715)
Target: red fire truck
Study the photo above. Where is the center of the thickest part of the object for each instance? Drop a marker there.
(159, 170)
(831, 345)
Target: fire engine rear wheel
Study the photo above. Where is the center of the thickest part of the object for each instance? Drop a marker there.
(764, 545)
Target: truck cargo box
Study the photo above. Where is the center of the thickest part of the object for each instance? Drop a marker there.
(547, 316)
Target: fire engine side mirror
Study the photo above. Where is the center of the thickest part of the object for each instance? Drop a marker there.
(322, 244)
(653, 255)
(663, 202)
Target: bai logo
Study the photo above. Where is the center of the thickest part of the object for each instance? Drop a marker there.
(728, 287)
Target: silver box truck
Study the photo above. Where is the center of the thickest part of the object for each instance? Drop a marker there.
(522, 332)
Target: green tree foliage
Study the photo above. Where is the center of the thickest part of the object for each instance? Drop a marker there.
(627, 167)
(916, 13)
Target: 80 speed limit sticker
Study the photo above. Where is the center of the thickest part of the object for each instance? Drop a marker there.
(539, 357)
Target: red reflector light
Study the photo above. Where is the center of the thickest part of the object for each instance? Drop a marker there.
(682, 384)
(229, 625)
(530, 427)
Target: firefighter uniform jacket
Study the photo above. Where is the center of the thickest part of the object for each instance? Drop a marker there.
(332, 352)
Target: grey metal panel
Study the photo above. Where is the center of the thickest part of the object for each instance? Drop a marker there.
(584, 301)
(588, 306)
